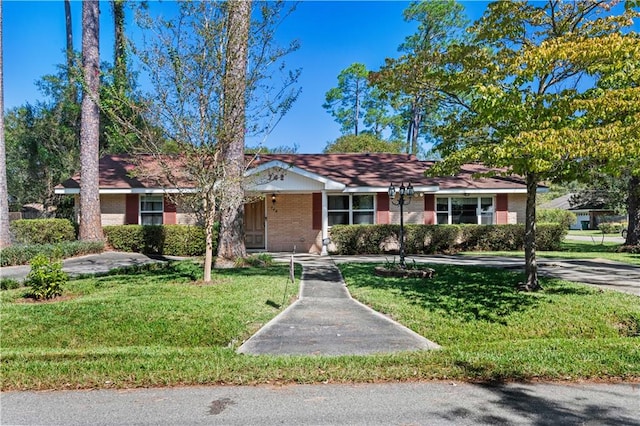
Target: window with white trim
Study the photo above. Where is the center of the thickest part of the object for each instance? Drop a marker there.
(151, 208)
(458, 210)
(351, 209)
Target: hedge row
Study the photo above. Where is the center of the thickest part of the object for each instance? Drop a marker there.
(172, 240)
(431, 239)
(20, 254)
(561, 216)
(42, 231)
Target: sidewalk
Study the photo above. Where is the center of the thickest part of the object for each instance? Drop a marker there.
(327, 321)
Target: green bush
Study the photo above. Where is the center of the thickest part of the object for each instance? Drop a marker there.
(612, 227)
(9, 284)
(563, 217)
(46, 278)
(42, 231)
(21, 254)
(432, 239)
(171, 240)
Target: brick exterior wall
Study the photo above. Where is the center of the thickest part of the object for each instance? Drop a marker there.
(289, 225)
(290, 220)
(517, 208)
(413, 212)
(113, 209)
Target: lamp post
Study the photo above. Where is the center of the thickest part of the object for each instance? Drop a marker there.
(405, 194)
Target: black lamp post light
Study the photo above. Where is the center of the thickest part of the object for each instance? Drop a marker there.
(405, 194)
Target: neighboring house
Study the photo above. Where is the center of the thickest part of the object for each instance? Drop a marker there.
(587, 216)
(300, 196)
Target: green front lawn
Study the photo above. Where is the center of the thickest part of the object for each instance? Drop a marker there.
(162, 328)
(573, 249)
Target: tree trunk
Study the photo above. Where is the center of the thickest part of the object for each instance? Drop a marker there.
(633, 208)
(416, 119)
(231, 242)
(357, 110)
(209, 222)
(119, 51)
(531, 267)
(73, 95)
(5, 236)
(90, 223)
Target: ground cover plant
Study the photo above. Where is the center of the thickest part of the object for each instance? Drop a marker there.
(163, 327)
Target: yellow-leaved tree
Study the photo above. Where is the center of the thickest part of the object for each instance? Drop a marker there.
(546, 91)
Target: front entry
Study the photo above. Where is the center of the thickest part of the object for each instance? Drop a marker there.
(254, 225)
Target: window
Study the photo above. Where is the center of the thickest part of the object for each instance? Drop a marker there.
(351, 209)
(457, 210)
(151, 208)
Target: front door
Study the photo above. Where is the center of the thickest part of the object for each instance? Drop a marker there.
(254, 225)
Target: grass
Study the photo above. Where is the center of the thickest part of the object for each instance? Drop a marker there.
(573, 249)
(162, 328)
(592, 233)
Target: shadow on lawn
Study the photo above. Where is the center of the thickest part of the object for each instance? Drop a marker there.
(193, 271)
(469, 293)
(581, 247)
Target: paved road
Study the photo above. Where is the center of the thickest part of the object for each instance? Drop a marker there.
(596, 239)
(379, 404)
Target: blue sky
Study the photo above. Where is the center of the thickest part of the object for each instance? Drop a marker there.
(333, 35)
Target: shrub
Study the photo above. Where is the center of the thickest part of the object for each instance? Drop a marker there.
(563, 217)
(46, 278)
(21, 254)
(612, 227)
(549, 236)
(431, 239)
(9, 284)
(42, 231)
(172, 240)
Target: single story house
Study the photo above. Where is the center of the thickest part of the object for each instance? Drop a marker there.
(588, 216)
(300, 196)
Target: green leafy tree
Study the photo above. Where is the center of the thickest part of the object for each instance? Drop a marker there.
(354, 102)
(407, 80)
(523, 105)
(364, 142)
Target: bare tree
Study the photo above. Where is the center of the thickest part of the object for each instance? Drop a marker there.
(90, 222)
(189, 61)
(5, 237)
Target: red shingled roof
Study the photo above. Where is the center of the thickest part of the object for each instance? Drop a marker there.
(352, 170)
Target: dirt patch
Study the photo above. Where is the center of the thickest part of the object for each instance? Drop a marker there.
(32, 300)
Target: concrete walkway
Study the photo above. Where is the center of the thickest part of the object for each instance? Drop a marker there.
(325, 320)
